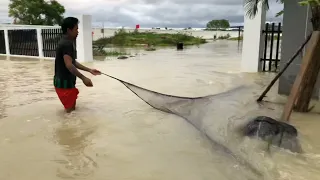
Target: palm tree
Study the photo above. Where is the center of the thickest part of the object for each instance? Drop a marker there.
(251, 7)
(302, 97)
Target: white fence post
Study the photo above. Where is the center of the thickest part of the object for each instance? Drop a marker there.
(40, 42)
(252, 49)
(84, 40)
(6, 40)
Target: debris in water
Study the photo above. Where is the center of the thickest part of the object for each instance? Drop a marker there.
(275, 132)
(123, 57)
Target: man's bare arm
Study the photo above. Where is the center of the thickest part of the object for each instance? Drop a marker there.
(82, 67)
(71, 67)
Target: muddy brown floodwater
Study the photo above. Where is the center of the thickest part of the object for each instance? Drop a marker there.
(114, 135)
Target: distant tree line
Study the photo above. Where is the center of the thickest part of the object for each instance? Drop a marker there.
(218, 24)
(36, 12)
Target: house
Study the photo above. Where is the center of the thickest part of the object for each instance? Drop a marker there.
(296, 28)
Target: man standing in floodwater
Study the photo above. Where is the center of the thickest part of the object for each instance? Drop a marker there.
(66, 67)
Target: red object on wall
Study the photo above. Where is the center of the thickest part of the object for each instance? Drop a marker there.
(137, 26)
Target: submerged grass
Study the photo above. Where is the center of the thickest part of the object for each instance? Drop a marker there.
(136, 38)
(102, 52)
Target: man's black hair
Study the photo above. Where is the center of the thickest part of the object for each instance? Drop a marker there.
(69, 23)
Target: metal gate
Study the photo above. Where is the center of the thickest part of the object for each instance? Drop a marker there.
(271, 50)
(2, 43)
(23, 42)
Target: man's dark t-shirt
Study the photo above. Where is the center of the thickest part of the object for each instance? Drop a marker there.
(63, 78)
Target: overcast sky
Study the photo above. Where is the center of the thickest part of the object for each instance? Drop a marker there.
(155, 13)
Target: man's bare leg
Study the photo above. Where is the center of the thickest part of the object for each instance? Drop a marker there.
(74, 106)
(69, 110)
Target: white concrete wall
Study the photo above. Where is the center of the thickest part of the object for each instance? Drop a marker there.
(296, 27)
(252, 48)
(84, 41)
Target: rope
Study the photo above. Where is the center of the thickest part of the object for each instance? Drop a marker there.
(125, 84)
(167, 95)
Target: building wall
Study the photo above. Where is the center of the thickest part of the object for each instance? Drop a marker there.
(296, 27)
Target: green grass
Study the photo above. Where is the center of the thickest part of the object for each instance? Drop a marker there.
(236, 38)
(115, 53)
(136, 38)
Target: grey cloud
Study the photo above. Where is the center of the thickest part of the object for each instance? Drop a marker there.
(188, 2)
(170, 13)
(175, 13)
(4, 12)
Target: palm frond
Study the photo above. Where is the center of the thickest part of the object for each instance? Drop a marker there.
(251, 7)
(280, 13)
(310, 2)
(280, 1)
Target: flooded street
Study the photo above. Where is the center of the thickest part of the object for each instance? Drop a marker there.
(115, 135)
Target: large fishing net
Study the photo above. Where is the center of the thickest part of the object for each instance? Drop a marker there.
(222, 129)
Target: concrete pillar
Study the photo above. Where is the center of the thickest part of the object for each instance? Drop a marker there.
(252, 49)
(84, 40)
(6, 40)
(295, 31)
(40, 43)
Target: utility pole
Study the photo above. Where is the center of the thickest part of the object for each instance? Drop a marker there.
(102, 30)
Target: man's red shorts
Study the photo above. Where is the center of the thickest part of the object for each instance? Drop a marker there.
(68, 97)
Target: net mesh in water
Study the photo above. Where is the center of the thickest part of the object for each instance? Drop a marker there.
(216, 116)
(186, 107)
(193, 109)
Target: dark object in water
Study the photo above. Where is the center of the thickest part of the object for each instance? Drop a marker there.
(150, 49)
(275, 132)
(123, 57)
(180, 46)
